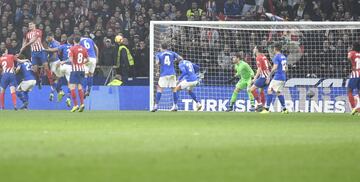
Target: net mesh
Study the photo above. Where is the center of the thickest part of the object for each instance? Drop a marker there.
(317, 51)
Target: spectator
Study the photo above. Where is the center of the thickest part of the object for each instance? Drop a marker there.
(124, 61)
(249, 6)
(142, 59)
(14, 48)
(232, 8)
(194, 13)
(107, 55)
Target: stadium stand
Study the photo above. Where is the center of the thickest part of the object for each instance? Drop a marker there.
(104, 19)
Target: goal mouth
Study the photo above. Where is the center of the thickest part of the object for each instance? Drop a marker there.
(316, 53)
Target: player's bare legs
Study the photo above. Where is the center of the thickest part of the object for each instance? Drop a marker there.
(253, 90)
(2, 97)
(89, 83)
(159, 91)
(175, 99)
(269, 100)
(233, 99)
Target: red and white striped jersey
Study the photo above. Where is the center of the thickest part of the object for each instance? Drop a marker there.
(354, 57)
(78, 55)
(7, 63)
(37, 45)
(263, 63)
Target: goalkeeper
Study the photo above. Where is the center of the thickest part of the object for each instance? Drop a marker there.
(244, 71)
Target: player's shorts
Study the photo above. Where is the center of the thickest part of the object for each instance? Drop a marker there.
(91, 65)
(277, 85)
(168, 81)
(260, 82)
(8, 79)
(65, 70)
(38, 57)
(243, 84)
(76, 77)
(188, 85)
(55, 69)
(26, 85)
(354, 83)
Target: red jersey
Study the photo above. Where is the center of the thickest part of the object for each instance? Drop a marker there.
(7, 63)
(37, 45)
(78, 55)
(263, 63)
(355, 64)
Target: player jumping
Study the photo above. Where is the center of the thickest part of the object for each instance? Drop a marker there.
(188, 80)
(279, 70)
(38, 55)
(165, 59)
(262, 73)
(28, 82)
(244, 71)
(354, 82)
(78, 56)
(93, 52)
(64, 69)
(54, 65)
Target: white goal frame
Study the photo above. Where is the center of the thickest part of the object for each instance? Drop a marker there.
(211, 24)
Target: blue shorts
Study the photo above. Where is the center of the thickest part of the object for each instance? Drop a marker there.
(260, 82)
(38, 57)
(8, 79)
(76, 77)
(354, 83)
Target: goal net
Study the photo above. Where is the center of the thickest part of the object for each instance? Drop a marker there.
(316, 53)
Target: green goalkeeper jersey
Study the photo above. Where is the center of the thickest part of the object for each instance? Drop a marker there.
(243, 70)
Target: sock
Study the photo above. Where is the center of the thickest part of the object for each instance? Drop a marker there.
(269, 98)
(233, 98)
(13, 98)
(251, 97)
(157, 98)
(26, 96)
(282, 100)
(256, 96)
(68, 93)
(20, 94)
(176, 97)
(90, 81)
(49, 76)
(351, 99)
(2, 101)
(81, 95)
(84, 83)
(38, 77)
(193, 96)
(58, 86)
(262, 97)
(73, 95)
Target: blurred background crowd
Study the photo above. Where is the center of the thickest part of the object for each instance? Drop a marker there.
(102, 20)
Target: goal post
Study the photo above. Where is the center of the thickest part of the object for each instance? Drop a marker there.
(316, 52)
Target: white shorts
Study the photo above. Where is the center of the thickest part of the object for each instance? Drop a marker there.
(90, 66)
(55, 69)
(65, 70)
(26, 85)
(277, 85)
(188, 85)
(167, 81)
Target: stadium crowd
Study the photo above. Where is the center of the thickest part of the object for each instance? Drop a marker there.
(102, 20)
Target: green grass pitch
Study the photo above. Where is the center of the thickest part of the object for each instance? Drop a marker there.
(59, 146)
